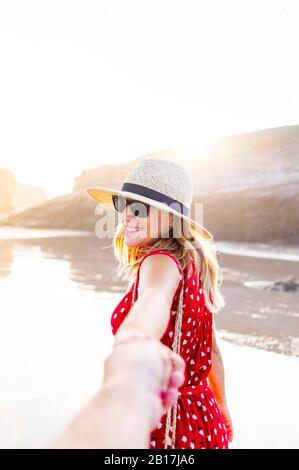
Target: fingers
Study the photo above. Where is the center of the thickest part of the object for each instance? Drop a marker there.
(174, 377)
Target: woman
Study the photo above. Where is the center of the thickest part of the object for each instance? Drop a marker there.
(171, 264)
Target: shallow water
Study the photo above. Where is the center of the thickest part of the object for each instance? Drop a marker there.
(57, 294)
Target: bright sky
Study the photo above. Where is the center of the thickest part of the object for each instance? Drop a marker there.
(89, 82)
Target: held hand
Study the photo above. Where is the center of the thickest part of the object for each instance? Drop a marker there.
(227, 420)
(147, 362)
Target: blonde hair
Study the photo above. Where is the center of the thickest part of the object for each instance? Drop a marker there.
(186, 247)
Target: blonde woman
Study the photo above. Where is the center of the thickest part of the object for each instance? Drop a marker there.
(170, 262)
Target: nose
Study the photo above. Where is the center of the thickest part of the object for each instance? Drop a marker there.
(127, 214)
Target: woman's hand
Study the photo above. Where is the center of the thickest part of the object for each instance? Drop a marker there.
(227, 420)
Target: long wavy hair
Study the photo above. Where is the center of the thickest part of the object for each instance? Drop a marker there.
(186, 245)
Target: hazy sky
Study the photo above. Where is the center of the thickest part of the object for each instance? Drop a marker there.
(86, 82)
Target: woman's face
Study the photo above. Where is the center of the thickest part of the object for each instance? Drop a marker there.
(144, 230)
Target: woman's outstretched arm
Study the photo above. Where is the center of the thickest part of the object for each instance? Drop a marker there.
(158, 280)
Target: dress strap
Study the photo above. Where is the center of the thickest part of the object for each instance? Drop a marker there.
(164, 252)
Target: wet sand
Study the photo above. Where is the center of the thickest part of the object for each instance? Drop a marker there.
(264, 319)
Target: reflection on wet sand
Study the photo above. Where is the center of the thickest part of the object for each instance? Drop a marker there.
(6, 257)
(91, 260)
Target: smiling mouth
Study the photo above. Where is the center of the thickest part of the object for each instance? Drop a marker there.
(132, 229)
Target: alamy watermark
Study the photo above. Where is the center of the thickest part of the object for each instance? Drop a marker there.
(165, 222)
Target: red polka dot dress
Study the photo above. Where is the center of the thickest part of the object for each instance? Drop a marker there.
(199, 422)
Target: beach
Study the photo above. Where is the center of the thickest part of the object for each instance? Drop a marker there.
(57, 295)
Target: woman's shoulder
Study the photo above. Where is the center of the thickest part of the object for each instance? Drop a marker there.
(157, 268)
(163, 252)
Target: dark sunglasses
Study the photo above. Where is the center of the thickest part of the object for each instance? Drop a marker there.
(138, 209)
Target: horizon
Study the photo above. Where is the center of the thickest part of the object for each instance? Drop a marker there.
(91, 84)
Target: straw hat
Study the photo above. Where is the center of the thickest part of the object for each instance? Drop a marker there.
(161, 183)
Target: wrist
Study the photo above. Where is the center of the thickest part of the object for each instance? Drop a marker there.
(221, 402)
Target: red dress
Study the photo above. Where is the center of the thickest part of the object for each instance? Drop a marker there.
(199, 422)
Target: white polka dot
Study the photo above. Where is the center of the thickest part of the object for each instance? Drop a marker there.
(191, 296)
(215, 431)
(170, 334)
(189, 320)
(184, 439)
(190, 427)
(205, 418)
(204, 407)
(153, 443)
(115, 315)
(209, 438)
(189, 401)
(201, 432)
(194, 416)
(189, 333)
(159, 426)
(126, 299)
(192, 361)
(191, 445)
(198, 403)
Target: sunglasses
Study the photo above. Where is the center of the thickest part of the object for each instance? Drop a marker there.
(138, 209)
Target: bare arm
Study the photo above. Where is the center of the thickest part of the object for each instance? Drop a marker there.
(158, 280)
(216, 379)
(216, 376)
(123, 413)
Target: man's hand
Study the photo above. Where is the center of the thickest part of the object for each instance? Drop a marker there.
(150, 367)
